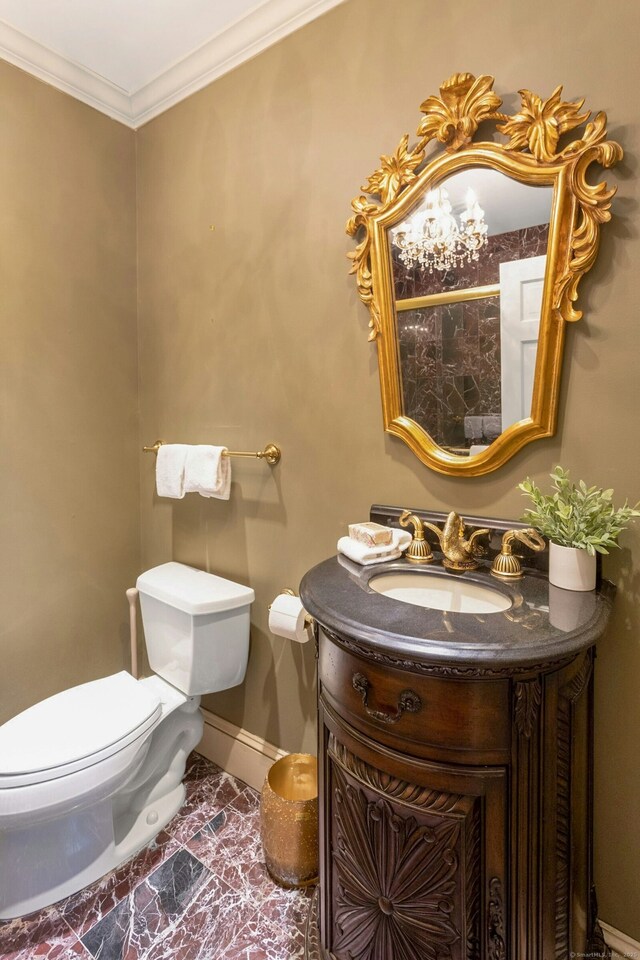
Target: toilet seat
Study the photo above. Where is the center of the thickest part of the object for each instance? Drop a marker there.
(75, 729)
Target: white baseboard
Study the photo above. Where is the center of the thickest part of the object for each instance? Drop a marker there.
(240, 753)
(622, 945)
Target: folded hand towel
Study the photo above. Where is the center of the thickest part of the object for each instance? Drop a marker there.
(208, 472)
(363, 554)
(491, 427)
(400, 539)
(473, 428)
(347, 550)
(170, 464)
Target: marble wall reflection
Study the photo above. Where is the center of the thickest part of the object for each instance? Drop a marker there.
(450, 362)
(500, 248)
(450, 354)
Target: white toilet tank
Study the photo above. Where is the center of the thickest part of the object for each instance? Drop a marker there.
(196, 627)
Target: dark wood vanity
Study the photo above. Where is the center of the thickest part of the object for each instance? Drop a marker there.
(455, 760)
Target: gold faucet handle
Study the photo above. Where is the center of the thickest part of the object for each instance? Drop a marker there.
(530, 537)
(505, 565)
(407, 518)
(419, 550)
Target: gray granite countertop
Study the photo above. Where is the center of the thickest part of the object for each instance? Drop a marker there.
(543, 623)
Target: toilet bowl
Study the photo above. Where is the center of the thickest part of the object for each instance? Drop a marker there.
(90, 775)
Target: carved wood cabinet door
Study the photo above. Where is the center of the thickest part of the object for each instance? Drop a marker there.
(409, 875)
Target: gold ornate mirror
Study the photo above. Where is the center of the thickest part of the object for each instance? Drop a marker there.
(470, 264)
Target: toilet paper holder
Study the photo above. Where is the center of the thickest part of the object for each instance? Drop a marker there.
(309, 622)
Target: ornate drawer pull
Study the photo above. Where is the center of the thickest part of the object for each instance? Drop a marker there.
(408, 700)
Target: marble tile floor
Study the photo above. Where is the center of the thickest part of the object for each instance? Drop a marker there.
(200, 891)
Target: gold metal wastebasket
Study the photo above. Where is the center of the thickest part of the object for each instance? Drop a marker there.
(289, 820)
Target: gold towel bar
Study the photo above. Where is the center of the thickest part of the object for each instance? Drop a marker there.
(271, 452)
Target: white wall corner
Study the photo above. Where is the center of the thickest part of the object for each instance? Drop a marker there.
(237, 751)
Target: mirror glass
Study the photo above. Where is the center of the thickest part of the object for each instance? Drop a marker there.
(468, 266)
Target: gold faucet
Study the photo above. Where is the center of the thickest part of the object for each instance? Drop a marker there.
(419, 550)
(459, 553)
(506, 566)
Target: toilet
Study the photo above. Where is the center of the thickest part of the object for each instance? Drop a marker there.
(89, 776)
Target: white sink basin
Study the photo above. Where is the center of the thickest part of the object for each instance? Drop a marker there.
(424, 589)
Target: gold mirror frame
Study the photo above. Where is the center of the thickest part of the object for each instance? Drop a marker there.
(533, 156)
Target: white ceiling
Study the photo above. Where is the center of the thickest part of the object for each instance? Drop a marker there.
(507, 203)
(134, 58)
(129, 42)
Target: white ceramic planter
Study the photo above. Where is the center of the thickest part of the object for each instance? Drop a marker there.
(570, 568)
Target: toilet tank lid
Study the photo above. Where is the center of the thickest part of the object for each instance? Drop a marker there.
(193, 591)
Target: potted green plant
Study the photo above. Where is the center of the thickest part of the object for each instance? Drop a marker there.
(579, 521)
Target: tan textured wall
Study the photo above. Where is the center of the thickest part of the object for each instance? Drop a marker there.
(253, 332)
(69, 538)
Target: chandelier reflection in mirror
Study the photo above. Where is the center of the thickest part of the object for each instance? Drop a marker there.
(434, 241)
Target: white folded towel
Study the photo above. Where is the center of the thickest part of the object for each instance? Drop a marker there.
(363, 554)
(473, 428)
(491, 427)
(170, 464)
(347, 551)
(208, 472)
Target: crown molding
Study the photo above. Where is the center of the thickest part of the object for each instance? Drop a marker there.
(242, 40)
(263, 26)
(70, 77)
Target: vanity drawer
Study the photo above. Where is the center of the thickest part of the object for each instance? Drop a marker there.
(462, 720)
